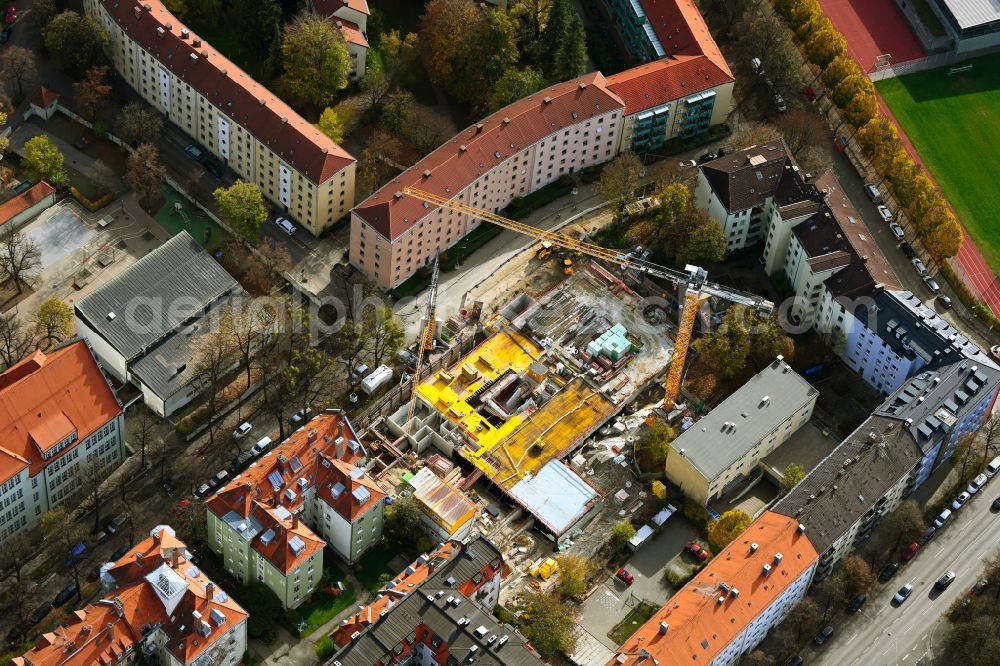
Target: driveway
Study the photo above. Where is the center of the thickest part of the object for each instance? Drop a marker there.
(612, 600)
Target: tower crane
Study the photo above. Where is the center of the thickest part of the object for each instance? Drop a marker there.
(693, 280)
(426, 338)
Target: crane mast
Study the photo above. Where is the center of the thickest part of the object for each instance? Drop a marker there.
(426, 338)
(692, 282)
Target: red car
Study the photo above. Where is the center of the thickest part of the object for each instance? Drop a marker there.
(910, 551)
(624, 576)
(810, 94)
(696, 550)
(11, 14)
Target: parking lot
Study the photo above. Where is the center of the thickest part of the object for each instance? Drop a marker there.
(610, 601)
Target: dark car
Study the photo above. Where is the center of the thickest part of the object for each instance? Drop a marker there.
(889, 571)
(5, 35)
(39, 613)
(996, 504)
(65, 595)
(823, 636)
(857, 603)
(908, 250)
(943, 301)
(213, 167)
(119, 554)
(707, 157)
(795, 661)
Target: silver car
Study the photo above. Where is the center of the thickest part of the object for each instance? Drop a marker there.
(931, 284)
(285, 225)
(919, 265)
(897, 231)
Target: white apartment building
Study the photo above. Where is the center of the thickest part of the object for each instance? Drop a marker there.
(307, 176)
(511, 153)
(58, 415)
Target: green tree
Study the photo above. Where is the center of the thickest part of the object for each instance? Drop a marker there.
(401, 53)
(574, 572)
(813, 25)
(861, 109)
(176, 7)
(621, 533)
(674, 199)
(256, 25)
(877, 132)
(790, 478)
(730, 525)
(324, 648)
(705, 242)
(727, 348)
(76, 42)
(654, 445)
(444, 30)
(43, 161)
(547, 623)
(146, 175)
(531, 16)
(243, 206)
(944, 240)
(516, 83)
(839, 69)
(487, 54)
(404, 521)
(203, 14)
(768, 338)
(855, 84)
(618, 180)
(395, 110)
(801, 12)
(824, 45)
(565, 40)
(54, 320)
(316, 60)
(332, 124)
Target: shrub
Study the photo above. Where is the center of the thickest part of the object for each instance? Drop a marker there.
(324, 648)
(696, 513)
(677, 580)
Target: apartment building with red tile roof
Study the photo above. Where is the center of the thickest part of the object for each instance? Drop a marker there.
(158, 602)
(28, 204)
(730, 605)
(351, 18)
(271, 522)
(58, 414)
(242, 123)
(439, 607)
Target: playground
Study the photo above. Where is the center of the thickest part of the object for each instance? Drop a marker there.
(188, 218)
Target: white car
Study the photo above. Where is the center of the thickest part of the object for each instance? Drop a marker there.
(687, 163)
(903, 594)
(976, 484)
(885, 214)
(919, 265)
(995, 351)
(897, 231)
(960, 501)
(285, 225)
(241, 430)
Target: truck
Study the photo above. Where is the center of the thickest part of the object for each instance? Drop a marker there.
(378, 378)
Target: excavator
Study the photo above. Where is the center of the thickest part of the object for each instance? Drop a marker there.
(693, 281)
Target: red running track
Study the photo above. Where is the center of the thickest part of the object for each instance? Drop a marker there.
(873, 27)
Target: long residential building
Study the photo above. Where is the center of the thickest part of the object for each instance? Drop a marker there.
(731, 604)
(302, 171)
(58, 415)
(271, 523)
(159, 608)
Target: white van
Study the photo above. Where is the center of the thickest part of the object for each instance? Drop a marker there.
(993, 467)
(261, 447)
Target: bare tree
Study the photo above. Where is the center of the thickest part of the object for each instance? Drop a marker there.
(92, 476)
(213, 358)
(145, 174)
(20, 257)
(426, 129)
(618, 181)
(60, 528)
(805, 618)
(18, 598)
(384, 333)
(243, 328)
(18, 550)
(137, 123)
(16, 339)
(17, 65)
(143, 424)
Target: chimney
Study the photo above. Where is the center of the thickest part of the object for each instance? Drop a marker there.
(138, 559)
(175, 558)
(295, 521)
(156, 536)
(111, 632)
(339, 444)
(210, 590)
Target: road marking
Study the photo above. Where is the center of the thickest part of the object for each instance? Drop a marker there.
(906, 656)
(924, 637)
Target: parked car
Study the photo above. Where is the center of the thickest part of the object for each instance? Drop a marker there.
(119, 554)
(932, 284)
(359, 373)
(624, 576)
(995, 351)
(213, 167)
(885, 213)
(888, 572)
(903, 594)
(976, 484)
(996, 505)
(942, 518)
(944, 301)
(696, 550)
(5, 35)
(687, 163)
(115, 524)
(960, 501)
(241, 430)
(873, 193)
(919, 265)
(301, 415)
(945, 580)
(285, 225)
(857, 603)
(219, 479)
(75, 555)
(910, 551)
(65, 595)
(195, 153)
(202, 490)
(823, 636)
(908, 250)
(39, 613)
(897, 231)
(171, 483)
(261, 447)
(708, 157)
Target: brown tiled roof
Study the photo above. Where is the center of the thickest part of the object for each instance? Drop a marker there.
(43, 98)
(746, 178)
(486, 144)
(229, 88)
(24, 201)
(665, 80)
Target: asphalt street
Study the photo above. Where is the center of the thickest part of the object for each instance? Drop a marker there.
(883, 634)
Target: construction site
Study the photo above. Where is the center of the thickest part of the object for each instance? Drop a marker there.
(555, 368)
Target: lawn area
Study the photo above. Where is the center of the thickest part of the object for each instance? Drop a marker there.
(375, 563)
(324, 607)
(190, 219)
(635, 619)
(952, 122)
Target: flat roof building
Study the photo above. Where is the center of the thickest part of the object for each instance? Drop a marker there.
(975, 24)
(449, 511)
(726, 445)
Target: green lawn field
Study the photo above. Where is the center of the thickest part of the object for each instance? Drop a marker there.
(954, 123)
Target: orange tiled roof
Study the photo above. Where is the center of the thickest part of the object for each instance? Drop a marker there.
(102, 633)
(352, 479)
(352, 33)
(489, 143)
(682, 30)
(662, 81)
(44, 98)
(699, 626)
(24, 201)
(278, 550)
(230, 89)
(45, 397)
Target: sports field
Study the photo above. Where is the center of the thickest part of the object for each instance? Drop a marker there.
(954, 123)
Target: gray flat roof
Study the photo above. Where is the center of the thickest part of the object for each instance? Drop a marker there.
(556, 495)
(712, 447)
(154, 296)
(970, 13)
